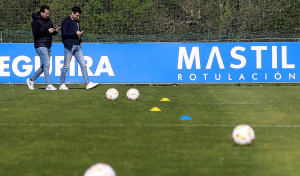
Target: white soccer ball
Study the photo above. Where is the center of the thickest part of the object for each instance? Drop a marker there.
(243, 135)
(100, 169)
(133, 94)
(112, 94)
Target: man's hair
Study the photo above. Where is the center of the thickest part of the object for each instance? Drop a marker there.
(76, 9)
(44, 7)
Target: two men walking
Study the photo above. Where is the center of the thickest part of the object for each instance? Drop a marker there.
(43, 30)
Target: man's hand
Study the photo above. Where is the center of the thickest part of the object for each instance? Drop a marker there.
(57, 28)
(79, 33)
(51, 30)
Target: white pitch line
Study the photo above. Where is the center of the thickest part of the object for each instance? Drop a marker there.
(232, 103)
(144, 125)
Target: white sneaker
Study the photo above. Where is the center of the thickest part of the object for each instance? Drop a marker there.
(63, 87)
(50, 87)
(91, 85)
(30, 84)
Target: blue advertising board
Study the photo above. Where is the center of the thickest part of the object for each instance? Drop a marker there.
(161, 62)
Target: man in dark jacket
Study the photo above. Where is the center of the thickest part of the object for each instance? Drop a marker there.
(42, 29)
(71, 38)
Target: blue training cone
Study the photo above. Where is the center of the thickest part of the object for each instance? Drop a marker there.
(185, 118)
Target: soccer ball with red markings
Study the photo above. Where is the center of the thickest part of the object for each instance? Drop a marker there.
(133, 94)
(243, 135)
(100, 169)
(112, 94)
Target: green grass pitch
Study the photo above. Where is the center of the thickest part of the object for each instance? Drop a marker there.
(62, 133)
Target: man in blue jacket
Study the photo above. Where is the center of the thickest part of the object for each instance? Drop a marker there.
(71, 38)
(42, 29)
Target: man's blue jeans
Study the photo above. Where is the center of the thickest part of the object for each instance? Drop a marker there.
(45, 55)
(76, 51)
